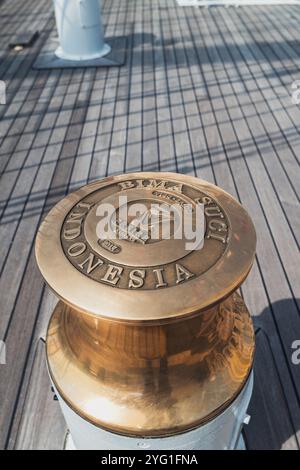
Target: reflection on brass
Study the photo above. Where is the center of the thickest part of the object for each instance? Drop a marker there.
(148, 339)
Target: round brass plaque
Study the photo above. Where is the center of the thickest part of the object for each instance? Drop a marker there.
(114, 277)
(151, 337)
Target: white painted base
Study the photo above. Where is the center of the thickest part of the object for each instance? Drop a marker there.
(205, 3)
(106, 49)
(69, 444)
(80, 30)
(221, 433)
(241, 443)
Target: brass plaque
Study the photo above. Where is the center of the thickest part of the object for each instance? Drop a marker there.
(139, 262)
(150, 337)
(165, 275)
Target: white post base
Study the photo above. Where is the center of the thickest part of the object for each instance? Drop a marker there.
(80, 30)
(60, 54)
(222, 433)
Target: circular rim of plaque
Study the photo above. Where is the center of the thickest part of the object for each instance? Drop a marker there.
(145, 290)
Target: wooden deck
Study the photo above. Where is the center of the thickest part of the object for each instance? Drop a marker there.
(205, 92)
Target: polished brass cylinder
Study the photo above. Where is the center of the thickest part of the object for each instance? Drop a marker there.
(148, 339)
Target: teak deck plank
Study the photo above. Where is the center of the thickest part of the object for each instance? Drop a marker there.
(204, 91)
(42, 425)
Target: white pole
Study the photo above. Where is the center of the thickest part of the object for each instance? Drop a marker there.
(80, 30)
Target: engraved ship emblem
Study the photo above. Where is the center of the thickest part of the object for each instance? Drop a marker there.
(141, 228)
